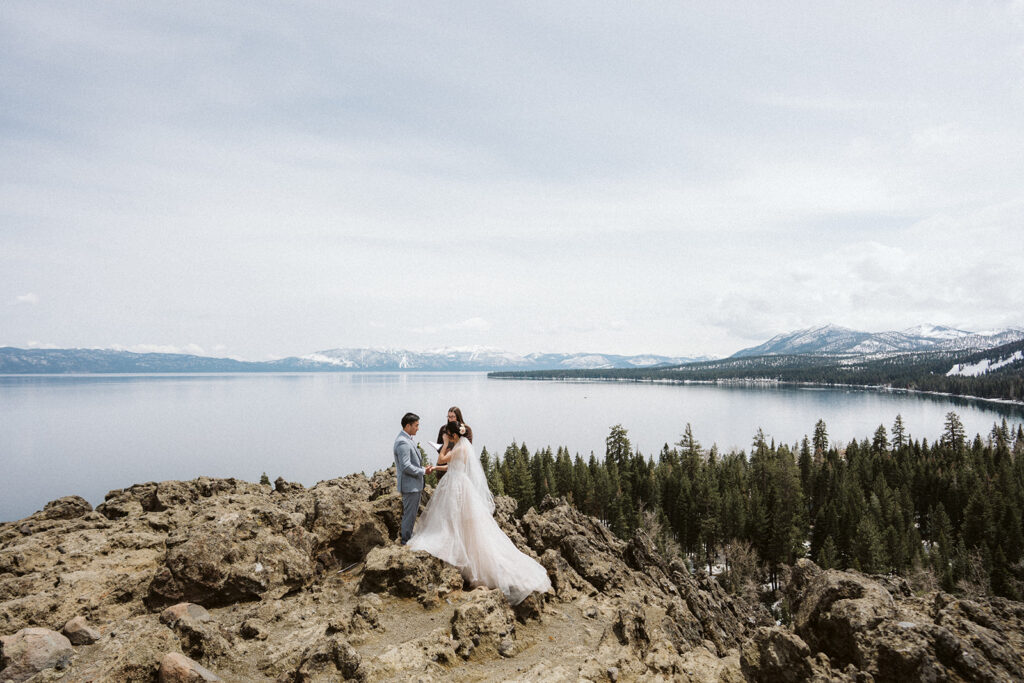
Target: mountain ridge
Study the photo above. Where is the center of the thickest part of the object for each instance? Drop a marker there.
(830, 339)
(458, 359)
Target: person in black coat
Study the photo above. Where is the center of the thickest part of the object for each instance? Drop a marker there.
(454, 415)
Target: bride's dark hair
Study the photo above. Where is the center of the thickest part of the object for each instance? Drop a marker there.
(452, 429)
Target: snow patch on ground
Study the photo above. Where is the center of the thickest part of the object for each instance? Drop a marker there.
(983, 366)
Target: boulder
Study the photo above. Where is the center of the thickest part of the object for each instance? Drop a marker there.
(344, 523)
(286, 487)
(185, 612)
(329, 659)
(224, 557)
(837, 611)
(857, 624)
(483, 623)
(776, 655)
(410, 574)
(68, 507)
(32, 650)
(177, 668)
(199, 635)
(78, 631)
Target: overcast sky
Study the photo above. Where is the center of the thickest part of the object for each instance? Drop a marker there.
(259, 180)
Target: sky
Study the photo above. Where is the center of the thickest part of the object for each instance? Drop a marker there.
(262, 179)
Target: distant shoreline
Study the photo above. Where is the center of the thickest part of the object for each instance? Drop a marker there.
(824, 385)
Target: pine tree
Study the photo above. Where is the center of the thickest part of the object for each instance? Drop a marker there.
(806, 463)
(828, 556)
(706, 499)
(820, 440)
(869, 549)
(953, 436)
(880, 442)
(563, 474)
(617, 446)
(519, 483)
(899, 434)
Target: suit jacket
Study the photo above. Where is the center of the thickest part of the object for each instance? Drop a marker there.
(408, 465)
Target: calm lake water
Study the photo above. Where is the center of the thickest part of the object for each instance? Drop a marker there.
(88, 434)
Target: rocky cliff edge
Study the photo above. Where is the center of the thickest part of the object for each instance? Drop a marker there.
(220, 579)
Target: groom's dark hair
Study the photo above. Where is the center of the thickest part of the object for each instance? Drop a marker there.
(409, 418)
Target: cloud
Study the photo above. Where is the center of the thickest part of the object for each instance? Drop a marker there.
(474, 324)
(471, 325)
(597, 181)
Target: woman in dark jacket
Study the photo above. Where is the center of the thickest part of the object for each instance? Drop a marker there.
(454, 415)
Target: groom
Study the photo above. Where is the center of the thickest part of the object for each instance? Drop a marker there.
(409, 471)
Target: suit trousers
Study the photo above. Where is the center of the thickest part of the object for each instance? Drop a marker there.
(410, 504)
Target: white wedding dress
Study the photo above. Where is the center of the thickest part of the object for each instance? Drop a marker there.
(458, 527)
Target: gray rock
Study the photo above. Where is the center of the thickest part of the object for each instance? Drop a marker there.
(78, 631)
(30, 651)
(507, 648)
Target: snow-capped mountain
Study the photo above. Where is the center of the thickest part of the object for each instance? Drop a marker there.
(836, 340)
(471, 358)
(34, 361)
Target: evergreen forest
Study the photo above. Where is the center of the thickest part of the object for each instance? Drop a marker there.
(945, 514)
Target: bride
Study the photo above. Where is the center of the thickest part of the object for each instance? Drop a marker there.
(458, 528)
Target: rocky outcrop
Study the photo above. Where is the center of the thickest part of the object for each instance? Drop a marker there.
(484, 625)
(69, 507)
(220, 578)
(225, 557)
(409, 574)
(848, 626)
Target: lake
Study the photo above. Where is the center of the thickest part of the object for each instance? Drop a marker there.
(87, 434)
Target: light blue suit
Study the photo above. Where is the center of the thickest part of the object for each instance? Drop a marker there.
(409, 472)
